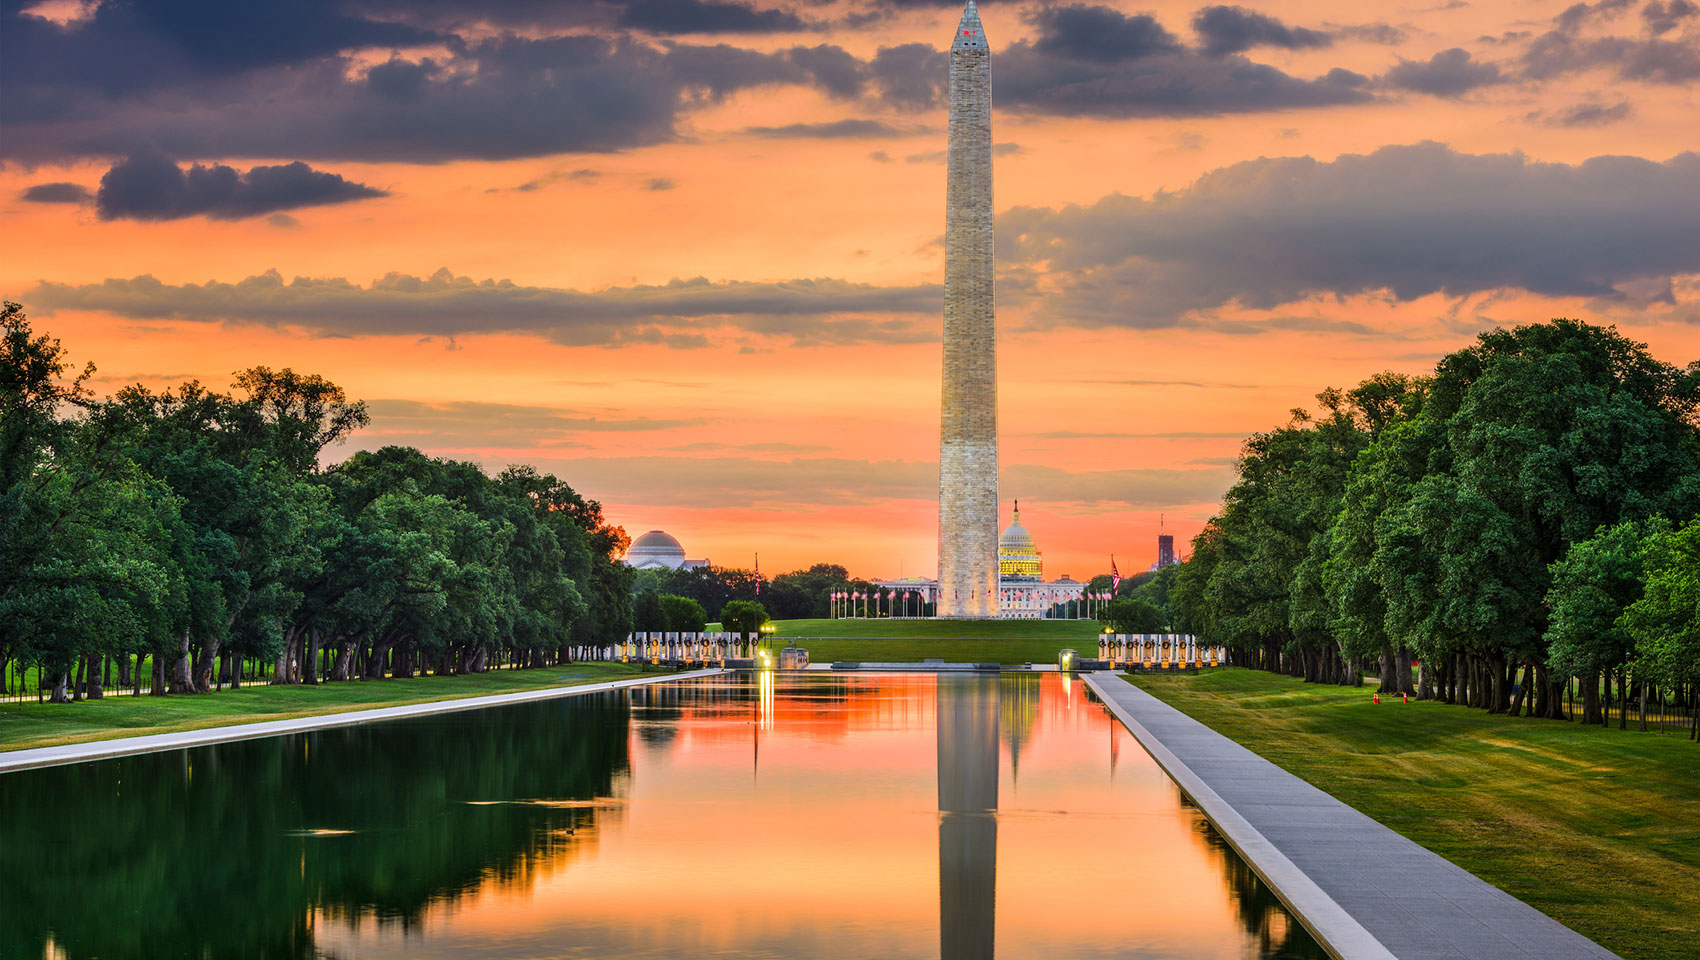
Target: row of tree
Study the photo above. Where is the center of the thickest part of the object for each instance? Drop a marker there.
(1523, 516)
(194, 530)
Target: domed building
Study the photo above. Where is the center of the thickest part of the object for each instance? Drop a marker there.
(1023, 593)
(1018, 558)
(658, 550)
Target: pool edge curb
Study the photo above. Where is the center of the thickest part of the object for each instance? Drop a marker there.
(35, 758)
(1333, 927)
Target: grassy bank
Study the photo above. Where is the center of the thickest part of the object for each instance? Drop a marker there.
(935, 629)
(26, 725)
(957, 641)
(952, 651)
(1598, 828)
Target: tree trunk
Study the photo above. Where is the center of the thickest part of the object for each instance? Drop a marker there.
(58, 694)
(95, 689)
(1641, 691)
(344, 658)
(1591, 700)
(178, 671)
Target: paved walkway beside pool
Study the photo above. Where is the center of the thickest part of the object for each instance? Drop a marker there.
(1362, 890)
(125, 746)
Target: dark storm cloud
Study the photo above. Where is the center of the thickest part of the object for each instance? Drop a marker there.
(58, 192)
(119, 82)
(706, 16)
(1412, 221)
(1095, 61)
(1225, 29)
(1449, 73)
(1100, 34)
(813, 311)
(148, 186)
(500, 97)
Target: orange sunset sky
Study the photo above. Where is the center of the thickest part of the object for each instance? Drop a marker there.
(685, 253)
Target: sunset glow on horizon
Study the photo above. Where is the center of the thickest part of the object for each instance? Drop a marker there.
(687, 257)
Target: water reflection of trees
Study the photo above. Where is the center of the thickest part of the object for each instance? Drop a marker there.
(1274, 931)
(228, 851)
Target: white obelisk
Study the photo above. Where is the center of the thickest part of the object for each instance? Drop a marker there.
(968, 454)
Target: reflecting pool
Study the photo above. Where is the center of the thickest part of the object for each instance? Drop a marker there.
(818, 815)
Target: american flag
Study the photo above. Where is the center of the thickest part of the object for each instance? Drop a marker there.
(1115, 575)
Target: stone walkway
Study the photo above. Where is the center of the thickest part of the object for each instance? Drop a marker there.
(1362, 890)
(125, 746)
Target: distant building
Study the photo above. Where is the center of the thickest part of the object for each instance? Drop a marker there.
(1165, 552)
(657, 550)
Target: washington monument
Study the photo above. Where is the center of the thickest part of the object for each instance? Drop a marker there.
(968, 454)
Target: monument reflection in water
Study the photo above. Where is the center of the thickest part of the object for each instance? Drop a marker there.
(967, 722)
(806, 816)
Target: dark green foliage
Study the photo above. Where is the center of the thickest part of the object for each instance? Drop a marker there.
(1130, 615)
(742, 617)
(1440, 519)
(197, 528)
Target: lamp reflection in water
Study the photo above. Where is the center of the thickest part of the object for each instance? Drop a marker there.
(966, 709)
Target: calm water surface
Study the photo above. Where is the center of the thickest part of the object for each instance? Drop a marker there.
(797, 816)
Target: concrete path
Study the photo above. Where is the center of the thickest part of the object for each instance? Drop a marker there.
(125, 746)
(1361, 889)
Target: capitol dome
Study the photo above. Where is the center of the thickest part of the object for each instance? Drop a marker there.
(655, 550)
(1018, 557)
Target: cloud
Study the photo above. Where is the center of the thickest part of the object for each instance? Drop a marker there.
(678, 313)
(148, 186)
(57, 192)
(832, 130)
(940, 156)
(473, 424)
(493, 98)
(1583, 115)
(1226, 29)
(1095, 61)
(1662, 18)
(1562, 50)
(834, 481)
(706, 16)
(911, 76)
(1399, 223)
(658, 183)
(1407, 220)
(1382, 33)
(1100, 34)
(1449, 73)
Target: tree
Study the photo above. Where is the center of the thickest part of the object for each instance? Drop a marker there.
(648, 613)
(1664, 623)
(682, 614)
(742, 617)
(1129, 615)
(1592, 586)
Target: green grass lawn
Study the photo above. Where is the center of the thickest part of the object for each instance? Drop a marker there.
(29, 724)
(1599, 828)
(940, 629)
(955, 641)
